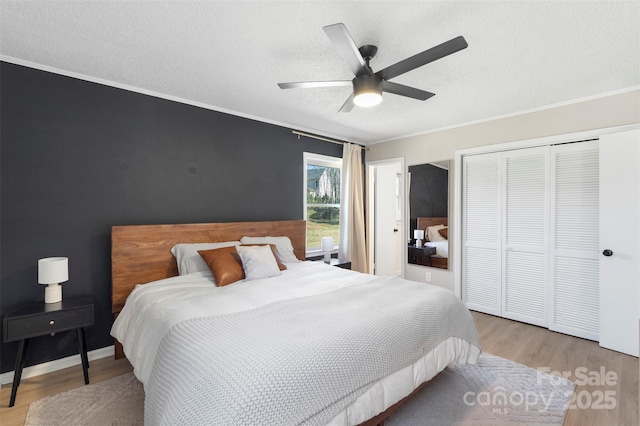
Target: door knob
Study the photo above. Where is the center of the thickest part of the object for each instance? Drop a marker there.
(607, 252)
(395, 230)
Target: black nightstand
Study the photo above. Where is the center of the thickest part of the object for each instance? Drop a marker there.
(420, 255)
(336, 262)
(39, 319)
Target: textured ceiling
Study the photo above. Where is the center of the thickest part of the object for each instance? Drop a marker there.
(229, 56)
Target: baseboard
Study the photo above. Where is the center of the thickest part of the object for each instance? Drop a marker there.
(58, 364)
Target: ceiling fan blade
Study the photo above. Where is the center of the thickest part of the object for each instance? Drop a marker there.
(341, 38)
(402, 90)
(440, 51)
(348, 105)
(308, 84)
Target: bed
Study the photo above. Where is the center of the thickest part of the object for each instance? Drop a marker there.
(314, 345)
(441, 258)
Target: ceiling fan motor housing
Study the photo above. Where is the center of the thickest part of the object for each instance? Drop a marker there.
(367, 90)
(367, 84)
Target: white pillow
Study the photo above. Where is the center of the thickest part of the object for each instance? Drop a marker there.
(283, 246)
(258, 262)
(189, 260)
(433, 234)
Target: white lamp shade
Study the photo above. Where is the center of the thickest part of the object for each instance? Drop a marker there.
(418, 234)
(327, 243)
(53, 270)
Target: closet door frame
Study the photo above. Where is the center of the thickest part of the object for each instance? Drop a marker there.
(456, 259)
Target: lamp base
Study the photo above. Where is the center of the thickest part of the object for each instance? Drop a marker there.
(418, 243)
(53, 293)
(327, 257)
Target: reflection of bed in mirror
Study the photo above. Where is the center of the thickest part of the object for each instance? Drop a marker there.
(428, 202)
(438, 239)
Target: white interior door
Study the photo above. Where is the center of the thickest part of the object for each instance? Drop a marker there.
(619, 232)
(388, 224)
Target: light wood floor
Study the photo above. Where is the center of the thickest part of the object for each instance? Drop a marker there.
(529, 345)
(538, 347)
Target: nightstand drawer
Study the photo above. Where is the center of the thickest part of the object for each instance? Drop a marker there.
(37, 325)
(429, 250)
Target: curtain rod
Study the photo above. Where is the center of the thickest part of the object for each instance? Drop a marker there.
(309, 135)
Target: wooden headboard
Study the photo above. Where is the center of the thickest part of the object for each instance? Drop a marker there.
(141, 253)
(423, 222)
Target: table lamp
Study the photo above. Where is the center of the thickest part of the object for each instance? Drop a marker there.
(327, 248)
(418, 234)
(53, 271)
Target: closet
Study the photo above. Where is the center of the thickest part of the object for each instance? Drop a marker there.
(530, 248)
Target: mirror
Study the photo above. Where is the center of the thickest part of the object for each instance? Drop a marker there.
(428, 214)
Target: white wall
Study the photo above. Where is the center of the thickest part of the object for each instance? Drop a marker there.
(605, 111)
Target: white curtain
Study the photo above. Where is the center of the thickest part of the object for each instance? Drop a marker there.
(352, 238)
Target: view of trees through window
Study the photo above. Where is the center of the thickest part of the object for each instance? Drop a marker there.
(323, 204)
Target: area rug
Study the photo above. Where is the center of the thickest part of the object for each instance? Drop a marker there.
(495, 391)
(118, 401)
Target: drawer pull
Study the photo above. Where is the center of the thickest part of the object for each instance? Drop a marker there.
(52, 322)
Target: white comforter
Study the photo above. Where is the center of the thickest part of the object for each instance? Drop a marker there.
(154, 309)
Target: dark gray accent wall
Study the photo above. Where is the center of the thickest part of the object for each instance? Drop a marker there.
(428, 193)
(78, 157)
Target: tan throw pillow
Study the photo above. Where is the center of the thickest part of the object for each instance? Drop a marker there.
(444, 232)
(433, 234)
(224, 263)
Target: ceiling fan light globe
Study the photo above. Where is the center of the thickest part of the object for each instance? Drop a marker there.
(367, 99)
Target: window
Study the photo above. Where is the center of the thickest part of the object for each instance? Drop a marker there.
(322, 175)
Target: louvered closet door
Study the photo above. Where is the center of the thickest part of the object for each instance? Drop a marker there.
(574, 260)
(524, 234)
(481, 278)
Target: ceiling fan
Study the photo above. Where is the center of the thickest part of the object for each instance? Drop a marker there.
(367, 85)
